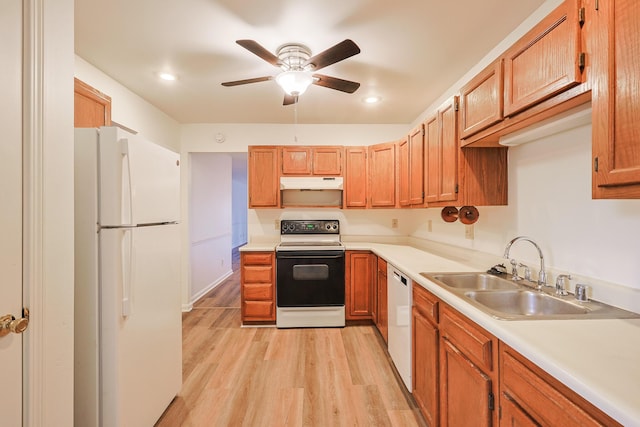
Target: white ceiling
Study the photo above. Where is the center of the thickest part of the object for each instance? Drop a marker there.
(411, 52)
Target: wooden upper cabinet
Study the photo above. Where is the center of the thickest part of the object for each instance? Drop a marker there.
(546, 61)
(382, 175)
(481, 100)
(327, 161)
(296, 160)
(416, 166)
(92, 108)
(450, 146)
(355, 177)
(404, 172)
(616, 110)
(320, 161)
(431, 159)
(263, 182)
(442, 148)
(410, 168)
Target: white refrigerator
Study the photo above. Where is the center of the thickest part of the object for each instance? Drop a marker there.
(128, 333)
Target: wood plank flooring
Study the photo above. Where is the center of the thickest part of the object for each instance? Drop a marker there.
(234, 376)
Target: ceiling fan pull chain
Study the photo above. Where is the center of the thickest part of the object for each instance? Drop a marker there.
(295, 122)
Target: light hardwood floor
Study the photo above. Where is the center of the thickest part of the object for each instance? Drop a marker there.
(234, 376)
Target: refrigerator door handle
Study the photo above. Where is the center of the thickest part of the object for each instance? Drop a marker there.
(127, 189)
(127, 269)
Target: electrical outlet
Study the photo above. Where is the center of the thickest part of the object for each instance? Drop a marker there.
(277, 224)
(394, 223)
(429, 226)
(468, 232)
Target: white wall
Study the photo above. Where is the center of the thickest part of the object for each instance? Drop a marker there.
(201, 137)
(129, 109)
(239, 199)
(209, 222)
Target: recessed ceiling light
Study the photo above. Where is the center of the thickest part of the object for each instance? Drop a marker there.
(371, 99)
(167, 76)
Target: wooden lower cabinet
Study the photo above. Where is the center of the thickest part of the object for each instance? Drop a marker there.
(426, 353)
(257, 287)
(464, 376)
(359, 281)
(530, 396)
(382, 316)
(468, 372)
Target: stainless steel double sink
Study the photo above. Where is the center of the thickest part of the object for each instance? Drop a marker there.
(505, 299)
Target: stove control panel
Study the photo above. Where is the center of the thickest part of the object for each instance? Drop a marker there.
(315, 226)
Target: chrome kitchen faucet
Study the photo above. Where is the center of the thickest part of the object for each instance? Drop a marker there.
(542, 276)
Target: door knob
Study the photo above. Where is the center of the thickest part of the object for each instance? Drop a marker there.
(8, 323)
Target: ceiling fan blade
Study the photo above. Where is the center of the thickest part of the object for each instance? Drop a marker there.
(342, 50)
(335, 83)
(247, 81)
(289, 99)
(257, 49)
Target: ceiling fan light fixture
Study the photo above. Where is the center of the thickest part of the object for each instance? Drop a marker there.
(294, 83)
(371, 99)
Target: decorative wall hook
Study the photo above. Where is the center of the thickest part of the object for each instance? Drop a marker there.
(466, 214)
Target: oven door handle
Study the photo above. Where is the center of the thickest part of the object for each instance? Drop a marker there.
(309, 256)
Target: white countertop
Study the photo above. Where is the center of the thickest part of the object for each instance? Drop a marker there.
(598, 359)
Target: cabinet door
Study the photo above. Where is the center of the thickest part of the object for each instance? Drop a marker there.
(449, 148)
(425, 366)
(616, 128)
(441, 154)
(403, 172)
(382, 312)
(355, 177)
(296, 161)
(481, 100)
(416, 166)
(91, 107)
(263, 177)
(545, 61)
(511, 415)
(466, 397)
(327, 161)
(359, 285)
(382, 175)
(431, 159)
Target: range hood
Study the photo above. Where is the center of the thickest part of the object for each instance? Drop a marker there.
(311, 191)
(311, 183)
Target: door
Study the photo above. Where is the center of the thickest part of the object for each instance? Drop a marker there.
(11, 212)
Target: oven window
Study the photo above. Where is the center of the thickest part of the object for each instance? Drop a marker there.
(310, 272)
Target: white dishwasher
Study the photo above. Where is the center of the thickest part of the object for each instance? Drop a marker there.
(399, 291)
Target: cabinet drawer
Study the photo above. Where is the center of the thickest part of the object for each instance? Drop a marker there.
(257, 258)
(474, 342)
(257, 274)
(426, 303)
(258, 292)
(539, 399)
(258, 310)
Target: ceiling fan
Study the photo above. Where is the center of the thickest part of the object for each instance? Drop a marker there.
(299, 67)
